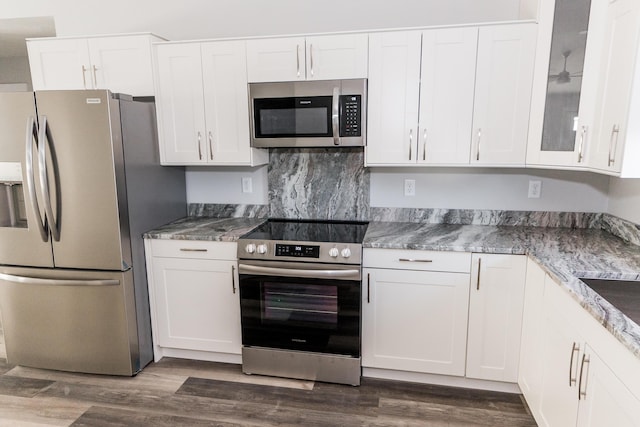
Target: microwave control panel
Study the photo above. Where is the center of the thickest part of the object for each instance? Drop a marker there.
(350, 115)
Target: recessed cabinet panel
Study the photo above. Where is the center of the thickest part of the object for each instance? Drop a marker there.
(59, 64)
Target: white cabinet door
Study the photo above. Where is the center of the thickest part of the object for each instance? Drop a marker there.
(616, 79)
(531, 354)
(446, 95)
(394, 87)
(122, 64)
(225, 101)
(337, 57)
(495, 316)
(604, 399)
(276, 60)
(180, 104)
(415, 321)
(504, 77)
(197, 304)
(59, 64)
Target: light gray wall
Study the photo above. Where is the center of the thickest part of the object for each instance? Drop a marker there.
(224, 185)
(624, 199)
(192, 19)
(15, 70)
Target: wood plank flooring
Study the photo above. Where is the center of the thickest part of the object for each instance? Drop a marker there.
(177, 392)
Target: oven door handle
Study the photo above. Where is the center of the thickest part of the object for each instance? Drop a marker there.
(307, 274)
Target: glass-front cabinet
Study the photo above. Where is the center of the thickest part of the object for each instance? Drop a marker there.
(565, 87)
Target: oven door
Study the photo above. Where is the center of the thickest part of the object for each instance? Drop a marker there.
(300, 306)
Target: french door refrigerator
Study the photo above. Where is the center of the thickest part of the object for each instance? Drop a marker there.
(82, 183)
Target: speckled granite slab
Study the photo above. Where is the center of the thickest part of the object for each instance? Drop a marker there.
(566, 254)
(201, 228)
(318, 183)
(213, 210)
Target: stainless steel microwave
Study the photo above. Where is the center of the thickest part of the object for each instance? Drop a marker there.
(327, 113)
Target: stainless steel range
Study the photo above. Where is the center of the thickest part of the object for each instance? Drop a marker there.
(300, 287)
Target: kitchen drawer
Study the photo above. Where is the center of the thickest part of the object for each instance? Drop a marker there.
(403, 259)
(194, 249)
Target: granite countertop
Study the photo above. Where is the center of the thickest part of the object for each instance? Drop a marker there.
(566, 254)
(204, 228)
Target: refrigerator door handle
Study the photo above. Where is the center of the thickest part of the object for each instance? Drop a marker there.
(57, 282)
(44, 179)
(31, 186)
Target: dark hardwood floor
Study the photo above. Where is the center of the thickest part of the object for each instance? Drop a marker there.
(178, 392)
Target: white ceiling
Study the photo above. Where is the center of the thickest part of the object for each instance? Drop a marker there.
(14, 31)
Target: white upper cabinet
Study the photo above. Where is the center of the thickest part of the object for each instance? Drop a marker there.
(504, 75)
(618, 93)
(446, 95)
(202, 101)
(394, 90)
(311, 58)
(118, 63)
(454, 96)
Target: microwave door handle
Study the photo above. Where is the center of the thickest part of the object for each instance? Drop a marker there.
(31, 187)
(335, 117)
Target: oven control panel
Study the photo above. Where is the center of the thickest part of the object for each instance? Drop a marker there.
(302, 251)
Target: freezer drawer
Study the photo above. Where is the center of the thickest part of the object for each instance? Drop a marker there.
(70, 320)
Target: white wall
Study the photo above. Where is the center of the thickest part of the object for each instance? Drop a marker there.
(192, 19)
(224, 185)
(624, 199)
(15, 70)
(504, 189)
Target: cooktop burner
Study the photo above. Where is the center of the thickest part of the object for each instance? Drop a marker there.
(310, 231)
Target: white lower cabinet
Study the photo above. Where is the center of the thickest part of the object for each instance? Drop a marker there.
(496, 300)
(587, 378)
(194, 297)
(412, 319)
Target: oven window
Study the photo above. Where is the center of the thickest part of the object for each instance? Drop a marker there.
(300, 303)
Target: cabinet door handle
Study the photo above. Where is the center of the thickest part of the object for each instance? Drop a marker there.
(615, 131)
(311, 57)
(582, 394)
(233, 278)
(414, 260)
(199, 146)
(368, 288)
(95, 77)
(424, 147)
(478, 145)
(210, 145)
(478, 278)
(192, 250)
(410, 141)
(574, 349)
(583, 134)
(84, 76)
(298, 60)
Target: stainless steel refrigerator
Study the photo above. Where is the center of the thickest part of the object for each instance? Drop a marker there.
(80, 182)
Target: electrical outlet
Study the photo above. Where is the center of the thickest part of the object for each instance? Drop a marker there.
(409, 187)
(535, 189)
(247, 184)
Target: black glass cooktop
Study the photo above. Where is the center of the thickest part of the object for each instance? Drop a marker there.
(310, 231)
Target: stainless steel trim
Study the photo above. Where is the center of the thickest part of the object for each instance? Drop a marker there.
(84, 79)
(295, 272)
(193, 250)
(302, 365)
(572, 380)
(95, 76)
(57, 282)
(335, 116)
(479, 268)
(583, 134)
(614, 131)
(583, 394)
(478, 145)
(410, 141)
(233, 278)
(311, 57)
(31, 187)
(44, 179)
(414, 260)
(210, 146)
(199, 145)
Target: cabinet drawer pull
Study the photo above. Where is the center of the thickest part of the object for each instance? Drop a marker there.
(298, 60)
(199, 146)
(84, 76)
(478, 146)
(424, 149)
(95, 77)
(615, 131)
(583, 135)
(410, 141)
(574, 349)
(368, 288)
(233, 278)
(414, 260)
(210, 145)
(582, 394)
(192, 250)
(479, 267)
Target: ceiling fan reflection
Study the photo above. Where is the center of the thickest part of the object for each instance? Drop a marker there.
(564, 76)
